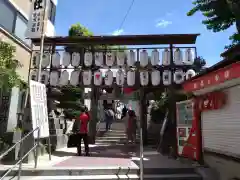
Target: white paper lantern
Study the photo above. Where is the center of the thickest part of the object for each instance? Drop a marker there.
(166, 57)
(44, 77)
(155, 77)
(190, 73)
(35, 59)
(166, 77)
(56, 59)
(66, 60)
(87, 77)
(98, 58)
(46, 59)
(88, 59)
(110, 59)
(97, 78)
(75, 59)
(131, 58)
(121, 56)
(143, 58)
(131, 77)
(54, 78)
(155, 57)
(74, 79)
(188, 59)
(177, 57)
(34, 75)
(178, 76)
(120, 77)
(144, 78)
(108, 79)
(64, 78)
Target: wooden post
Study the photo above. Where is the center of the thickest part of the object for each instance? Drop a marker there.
(172, 112)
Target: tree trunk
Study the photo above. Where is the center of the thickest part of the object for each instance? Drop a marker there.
(238, 25)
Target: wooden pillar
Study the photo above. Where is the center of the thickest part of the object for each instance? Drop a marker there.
(172, 112)
(93, 121)
(143, 117)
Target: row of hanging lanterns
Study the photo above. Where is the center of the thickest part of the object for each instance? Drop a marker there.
(122, 57)
(63, 78)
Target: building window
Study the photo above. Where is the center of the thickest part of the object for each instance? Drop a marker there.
(20, 29)
(12, 21)
(52, 12)
(7, 16)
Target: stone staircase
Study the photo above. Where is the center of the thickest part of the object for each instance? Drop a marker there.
(117, 137)
(110, 158)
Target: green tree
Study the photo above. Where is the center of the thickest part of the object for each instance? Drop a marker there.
(8, 65)
(220, 15)
(199, 64)
(162, 98)
(70, 100)
(79, 30)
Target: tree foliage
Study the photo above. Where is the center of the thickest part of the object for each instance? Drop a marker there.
(199, 64)
(79, 30)
(8, 65)
(220, 15)
(161, 104)
(70, 100)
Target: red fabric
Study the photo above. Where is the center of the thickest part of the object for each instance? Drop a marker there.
(130, 123)
(128, 90)
(84, 118)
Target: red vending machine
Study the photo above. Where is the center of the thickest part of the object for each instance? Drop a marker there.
(185, 121)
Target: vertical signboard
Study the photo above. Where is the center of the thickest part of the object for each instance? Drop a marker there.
(36, 20)
(39, 108)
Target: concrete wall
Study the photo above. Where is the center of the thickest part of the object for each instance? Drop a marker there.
(23, 54)
(225, 169)
(23, 6)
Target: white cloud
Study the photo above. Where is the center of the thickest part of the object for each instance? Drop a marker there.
(169, 14)
(118, 32)
(163, 23)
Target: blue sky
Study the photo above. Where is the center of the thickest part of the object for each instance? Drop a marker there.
(103, 17)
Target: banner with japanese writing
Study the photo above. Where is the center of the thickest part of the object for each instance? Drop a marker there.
(39, 110)
(36, 20)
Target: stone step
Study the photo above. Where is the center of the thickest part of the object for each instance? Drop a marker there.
(114, 137)
(111, 140)
(114, 131)
(107, 177)
(72, 171)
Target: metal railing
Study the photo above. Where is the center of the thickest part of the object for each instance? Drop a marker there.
(141, 154)
(22, 157)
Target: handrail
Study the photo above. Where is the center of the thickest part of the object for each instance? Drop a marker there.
(22, 157)
(141, 154)
(10, 169)
(22, 139)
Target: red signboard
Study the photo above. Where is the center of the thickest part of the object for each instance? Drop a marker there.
(211, 101)
(214, 78)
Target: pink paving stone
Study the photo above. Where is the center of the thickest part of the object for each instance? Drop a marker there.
(94, 162)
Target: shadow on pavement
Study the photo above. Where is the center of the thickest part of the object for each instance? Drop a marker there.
(114, 151)
(64, 153)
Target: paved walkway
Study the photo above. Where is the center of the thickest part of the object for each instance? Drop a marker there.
(105, 159)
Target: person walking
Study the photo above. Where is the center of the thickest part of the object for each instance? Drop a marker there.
(109, 117)
(80, 128)
(124, 111)
(131, 126)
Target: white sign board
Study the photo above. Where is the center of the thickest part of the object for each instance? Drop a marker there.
(39, 108)
(36, 20)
